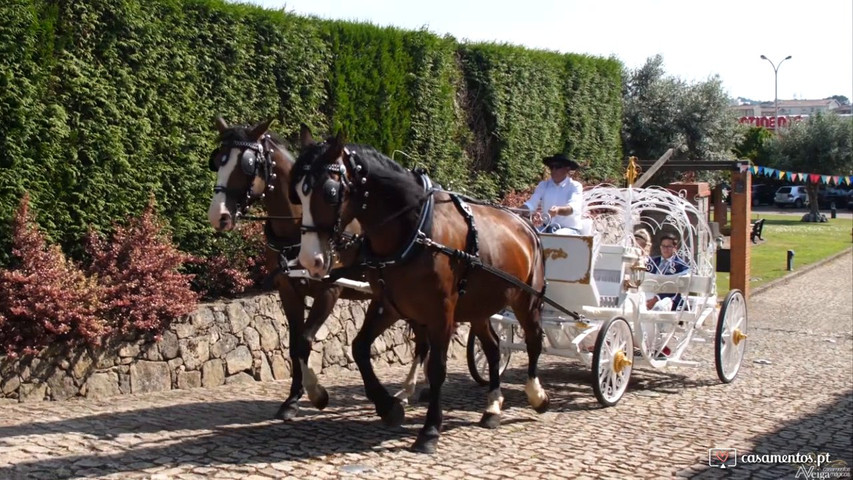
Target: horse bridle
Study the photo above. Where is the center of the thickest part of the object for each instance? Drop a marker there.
(250, 153)
(333, 191)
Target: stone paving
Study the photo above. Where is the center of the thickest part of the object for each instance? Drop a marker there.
(794, 395)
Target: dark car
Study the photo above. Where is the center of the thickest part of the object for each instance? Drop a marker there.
(826, 197)
(761, 195)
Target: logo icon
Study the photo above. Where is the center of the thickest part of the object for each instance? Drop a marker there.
(722, 457)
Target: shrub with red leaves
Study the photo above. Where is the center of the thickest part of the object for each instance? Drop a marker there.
(138, 271)
(239, 265)
(44, 299)
(515, 199)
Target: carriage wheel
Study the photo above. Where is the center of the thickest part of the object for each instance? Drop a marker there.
(730, 341)
(612, 360)
(478, 366)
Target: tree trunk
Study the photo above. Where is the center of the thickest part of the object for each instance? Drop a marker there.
(811, 190)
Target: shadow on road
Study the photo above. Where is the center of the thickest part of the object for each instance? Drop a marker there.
(829, 430)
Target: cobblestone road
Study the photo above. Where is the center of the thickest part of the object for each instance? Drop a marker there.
(794, 394)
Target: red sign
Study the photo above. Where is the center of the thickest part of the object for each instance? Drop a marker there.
(769, 122)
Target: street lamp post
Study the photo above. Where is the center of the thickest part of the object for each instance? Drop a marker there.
(775, 88)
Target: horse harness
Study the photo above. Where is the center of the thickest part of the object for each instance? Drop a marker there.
(470, 257)
(255, 161)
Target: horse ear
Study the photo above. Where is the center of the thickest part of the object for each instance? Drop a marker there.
(260, 129)
(305, 137)
(220, 124)
(336, 146)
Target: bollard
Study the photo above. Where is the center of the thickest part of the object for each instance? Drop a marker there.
(832, 212)
(790, 260)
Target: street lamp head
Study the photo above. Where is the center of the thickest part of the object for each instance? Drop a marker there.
(788, 57)
(763, 57)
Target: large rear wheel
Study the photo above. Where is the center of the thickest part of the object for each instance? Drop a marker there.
(612, 360)
(478, 365)
(730, 340)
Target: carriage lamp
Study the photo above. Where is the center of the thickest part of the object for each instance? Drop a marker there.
(637, 274)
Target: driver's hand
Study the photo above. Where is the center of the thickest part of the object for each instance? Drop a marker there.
(537, 219)
(554, 211)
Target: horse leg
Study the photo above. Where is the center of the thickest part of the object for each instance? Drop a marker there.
(324, 302)
(421, 352)
(427, 440)
(491, 348)
(294, 309)
(528, 315)
(377, 319)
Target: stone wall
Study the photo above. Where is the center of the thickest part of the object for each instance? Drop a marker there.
(243, 340)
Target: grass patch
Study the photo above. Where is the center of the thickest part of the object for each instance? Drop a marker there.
(811, 242)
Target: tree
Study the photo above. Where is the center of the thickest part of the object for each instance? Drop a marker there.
(756, 145)
(820, 145)
(661, 111)
(841, 99)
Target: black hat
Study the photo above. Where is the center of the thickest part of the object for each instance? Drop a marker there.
(560, 160)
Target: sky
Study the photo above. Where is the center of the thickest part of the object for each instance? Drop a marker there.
(697, 39)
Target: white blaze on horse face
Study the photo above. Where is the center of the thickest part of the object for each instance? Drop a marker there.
(535, 393)
(310, 251)
(218, 214)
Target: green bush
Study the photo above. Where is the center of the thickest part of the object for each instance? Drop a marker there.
(104, 103)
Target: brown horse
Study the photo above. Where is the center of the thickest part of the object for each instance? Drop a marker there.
(250, 164)
(429, 257)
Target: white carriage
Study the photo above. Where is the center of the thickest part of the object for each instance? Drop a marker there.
(601, 283)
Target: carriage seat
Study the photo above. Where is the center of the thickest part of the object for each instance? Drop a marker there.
(609, 273)
(683, 284)
(569, 261)
(582, 272)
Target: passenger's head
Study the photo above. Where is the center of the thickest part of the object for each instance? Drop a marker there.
(668, 245)
(643, 239)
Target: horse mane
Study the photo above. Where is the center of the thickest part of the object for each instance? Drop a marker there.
(382, 169)
(378, 166)
(240, 133)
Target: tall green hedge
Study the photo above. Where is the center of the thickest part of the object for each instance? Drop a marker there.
(104, 103)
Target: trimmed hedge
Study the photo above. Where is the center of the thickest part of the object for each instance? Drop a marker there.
(106, 102)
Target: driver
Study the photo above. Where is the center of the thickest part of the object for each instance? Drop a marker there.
(561, 197)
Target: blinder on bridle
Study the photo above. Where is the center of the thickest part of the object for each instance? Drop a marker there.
(332, 194)
(255, 161)
(248, 157)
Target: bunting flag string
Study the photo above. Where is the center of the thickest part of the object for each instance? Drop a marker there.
(801, 177)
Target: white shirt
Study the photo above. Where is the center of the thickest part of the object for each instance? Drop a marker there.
(567, 192)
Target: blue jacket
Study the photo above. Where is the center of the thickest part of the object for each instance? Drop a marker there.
(674, 266)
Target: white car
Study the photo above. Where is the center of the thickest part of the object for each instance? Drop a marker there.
(793, 195)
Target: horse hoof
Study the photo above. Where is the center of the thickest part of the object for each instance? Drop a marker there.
(395, 415)
(426, 442)
(423, 397)
(287, 411)
(543, 407)
(322, 400)
(490, 420)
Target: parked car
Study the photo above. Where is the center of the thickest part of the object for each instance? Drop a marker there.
(792, 195)
(828, 196)
(761, 195)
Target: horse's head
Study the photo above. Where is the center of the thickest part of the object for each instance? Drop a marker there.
(325, 179)
(244, 165)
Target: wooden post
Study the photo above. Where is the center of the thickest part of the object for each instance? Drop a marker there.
(720, 207)
(741, 225)
(653, 169)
